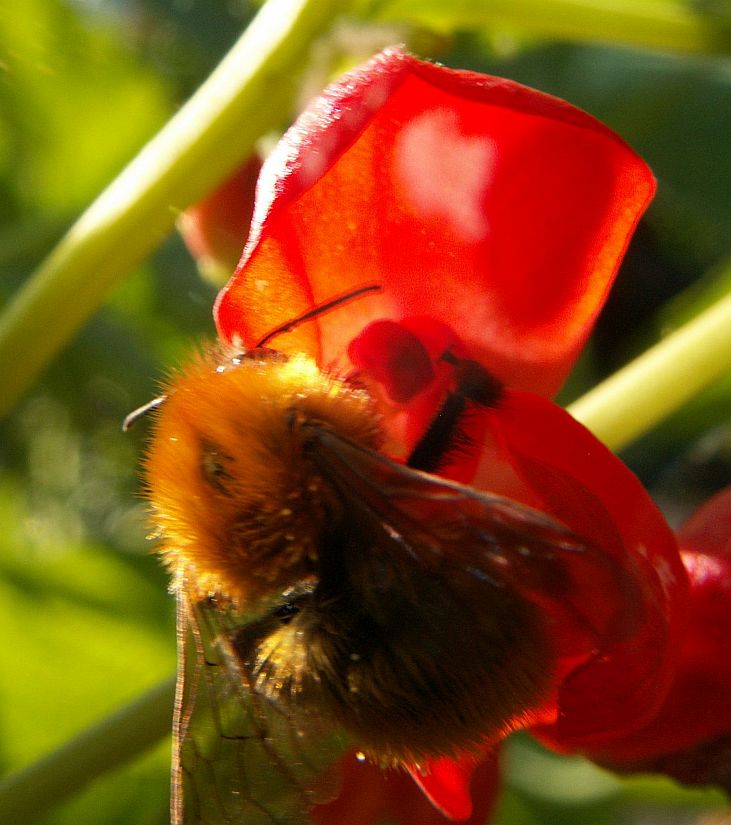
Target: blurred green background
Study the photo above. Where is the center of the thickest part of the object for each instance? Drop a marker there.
(85, 618)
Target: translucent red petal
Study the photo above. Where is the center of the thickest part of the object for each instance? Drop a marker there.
(582, 483)
(491, 207)
(459, 790)
(695, 719)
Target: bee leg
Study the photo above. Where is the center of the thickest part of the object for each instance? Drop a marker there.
(473, 385)
(472, 381)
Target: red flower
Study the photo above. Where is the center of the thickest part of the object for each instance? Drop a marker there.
(494, 218)
(690, 737)
(213, 228)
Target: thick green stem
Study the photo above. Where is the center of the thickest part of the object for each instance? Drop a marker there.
(27, 795)
(661, 380)
(248, 94)
(663, 24)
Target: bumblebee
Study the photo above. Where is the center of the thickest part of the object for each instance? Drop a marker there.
(329, 596)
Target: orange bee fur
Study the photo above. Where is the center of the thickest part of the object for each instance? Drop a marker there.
(237, 504)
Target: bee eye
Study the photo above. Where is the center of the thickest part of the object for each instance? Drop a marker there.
(286, 612)
(214, 467)
(293, 600)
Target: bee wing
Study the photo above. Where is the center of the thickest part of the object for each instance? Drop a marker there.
(238, 757)
(459, 531)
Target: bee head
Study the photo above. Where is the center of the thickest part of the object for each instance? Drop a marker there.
(235, 498)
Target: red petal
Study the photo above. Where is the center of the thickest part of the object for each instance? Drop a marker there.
(364, 795)
(694, 723)
(708, 530)
(462, 789)
(394, 357)
(587, 487)
(370, 795)
(493, 208)
(406, 360)
(446, 783)
(215, 229)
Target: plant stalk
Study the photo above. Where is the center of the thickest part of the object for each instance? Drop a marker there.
(247, 95)
(28, 794)
(633, 400)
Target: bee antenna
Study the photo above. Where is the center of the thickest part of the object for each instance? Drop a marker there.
(318, 310)
(140, 412)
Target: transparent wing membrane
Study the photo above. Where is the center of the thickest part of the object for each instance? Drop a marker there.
(238, 756)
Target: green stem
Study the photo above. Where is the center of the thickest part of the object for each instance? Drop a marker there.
(28, 794)
(663, 24)
(248, 94)
(661, 380)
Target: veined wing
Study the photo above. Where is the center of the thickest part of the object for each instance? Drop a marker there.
(237, 756)
(454, 529)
